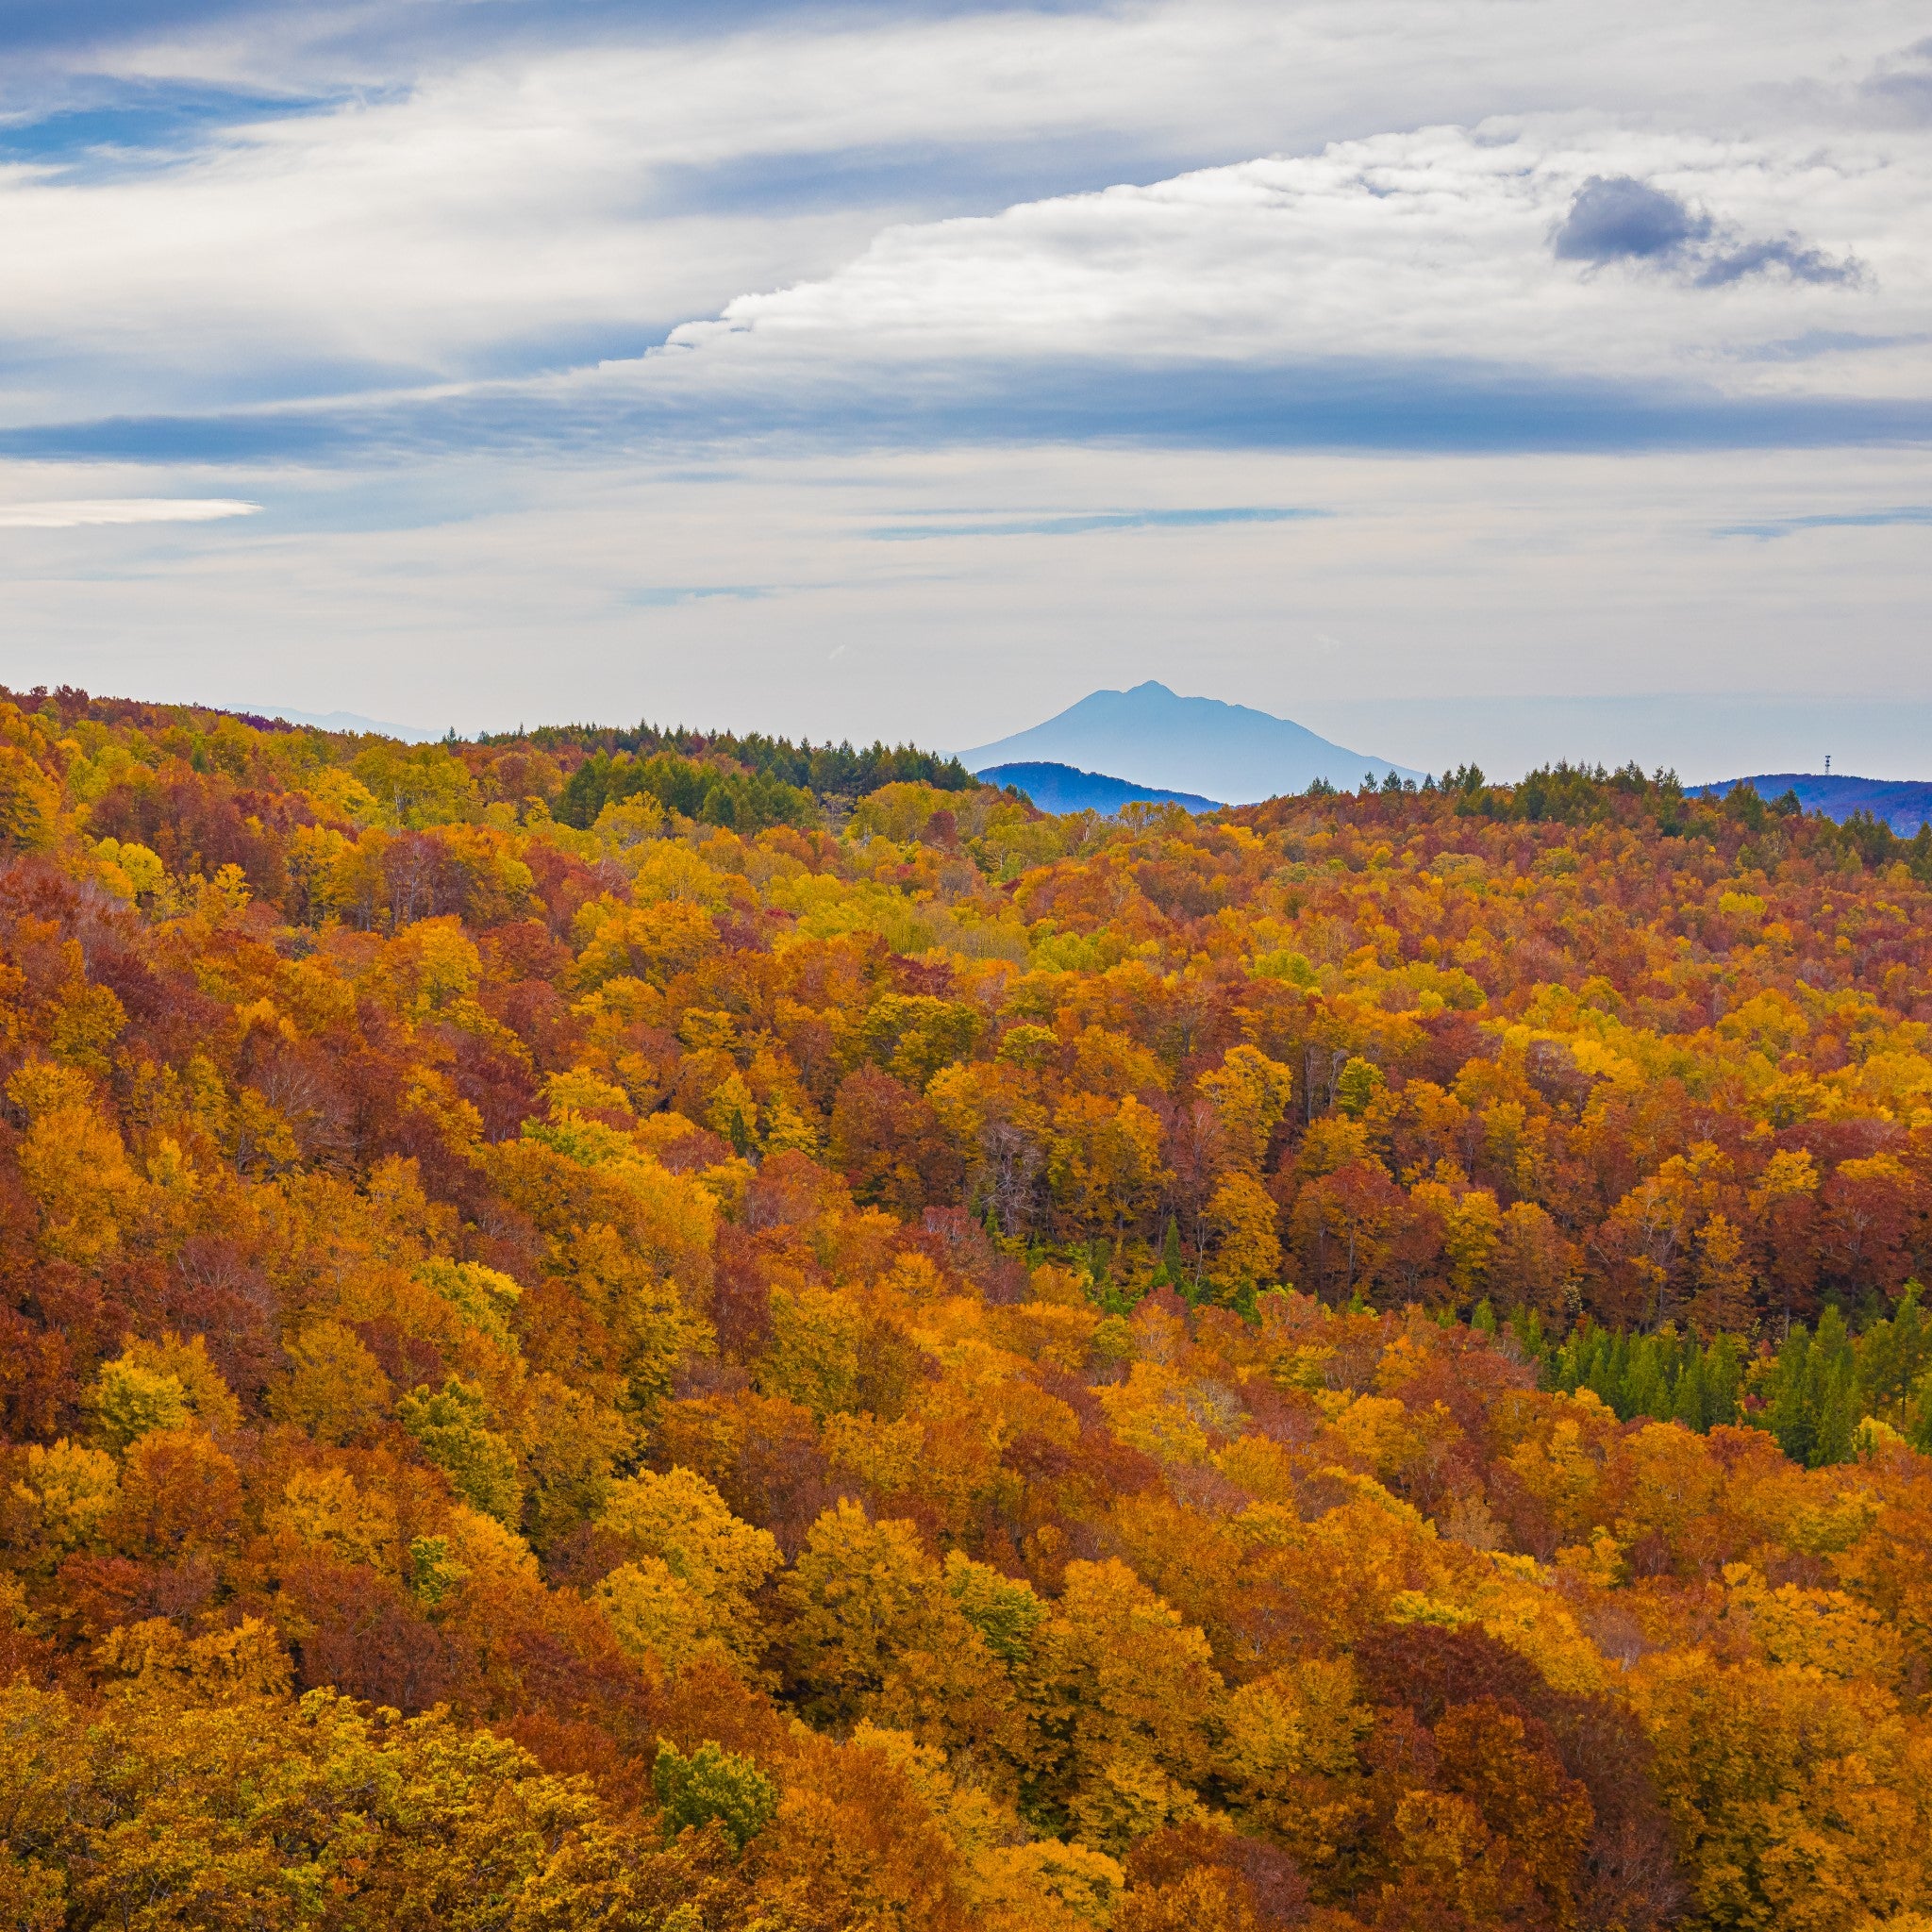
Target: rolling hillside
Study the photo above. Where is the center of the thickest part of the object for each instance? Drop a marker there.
(1064, 787)
(1903, 804)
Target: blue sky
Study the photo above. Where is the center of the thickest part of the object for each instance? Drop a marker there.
(916, 369)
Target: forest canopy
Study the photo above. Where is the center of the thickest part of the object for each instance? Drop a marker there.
(695, 1333)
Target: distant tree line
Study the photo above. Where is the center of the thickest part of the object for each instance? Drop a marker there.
(824, 769)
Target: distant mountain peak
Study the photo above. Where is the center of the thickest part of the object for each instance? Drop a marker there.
(1154, 737)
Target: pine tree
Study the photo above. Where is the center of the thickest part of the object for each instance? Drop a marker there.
(1792, 1412)
(1893, 1356)
(1646, 1386)
(1838, 1413)
(1918, 1415)
(1689, 1404)
(1723, 1375)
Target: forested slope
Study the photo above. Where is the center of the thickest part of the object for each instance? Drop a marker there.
(578, 1349)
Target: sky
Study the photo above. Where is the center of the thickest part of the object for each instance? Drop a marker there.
(1507, 380)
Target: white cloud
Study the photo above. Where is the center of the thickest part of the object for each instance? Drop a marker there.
(79, 512)
(494, 214)
(1406, 249)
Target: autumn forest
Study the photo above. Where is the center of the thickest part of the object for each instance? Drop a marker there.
(637, 1330)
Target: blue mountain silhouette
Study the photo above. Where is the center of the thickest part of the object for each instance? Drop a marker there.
(1063, 788)
(1157, 738)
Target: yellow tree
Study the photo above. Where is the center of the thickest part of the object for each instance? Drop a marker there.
(1105, 1160)
(1246, 1222)
(693, 1571)
(1249, 1093)
(873, 1632)
(1125, 1698)
(1802, 1801)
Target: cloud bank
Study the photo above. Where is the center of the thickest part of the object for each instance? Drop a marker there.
(1433, 246)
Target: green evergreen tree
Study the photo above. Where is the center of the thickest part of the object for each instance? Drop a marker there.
(1689, 1404)
(1723, 1376)
(1893, 1356)
(1646, 1389)
(1838, 1412)
(1528, 1327)
(1607, 1373)
(1791, 1404)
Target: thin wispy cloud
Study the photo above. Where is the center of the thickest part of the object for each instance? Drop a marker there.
(1833, 519)
(664, 596)
(1081, 524)
(130, 509)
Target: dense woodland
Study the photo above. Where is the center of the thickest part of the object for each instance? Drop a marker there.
(635, 1331)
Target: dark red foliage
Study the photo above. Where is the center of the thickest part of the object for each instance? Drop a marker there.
(355, 1630)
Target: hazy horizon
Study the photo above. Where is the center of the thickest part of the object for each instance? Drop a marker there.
(1702, 737)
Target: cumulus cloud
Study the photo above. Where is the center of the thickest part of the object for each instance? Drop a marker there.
(1417, 289)
(80, 512)
(1615, 218)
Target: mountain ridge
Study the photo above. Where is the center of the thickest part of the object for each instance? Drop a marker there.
(1058, 788)
(1201, 745)
(1902, 804)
